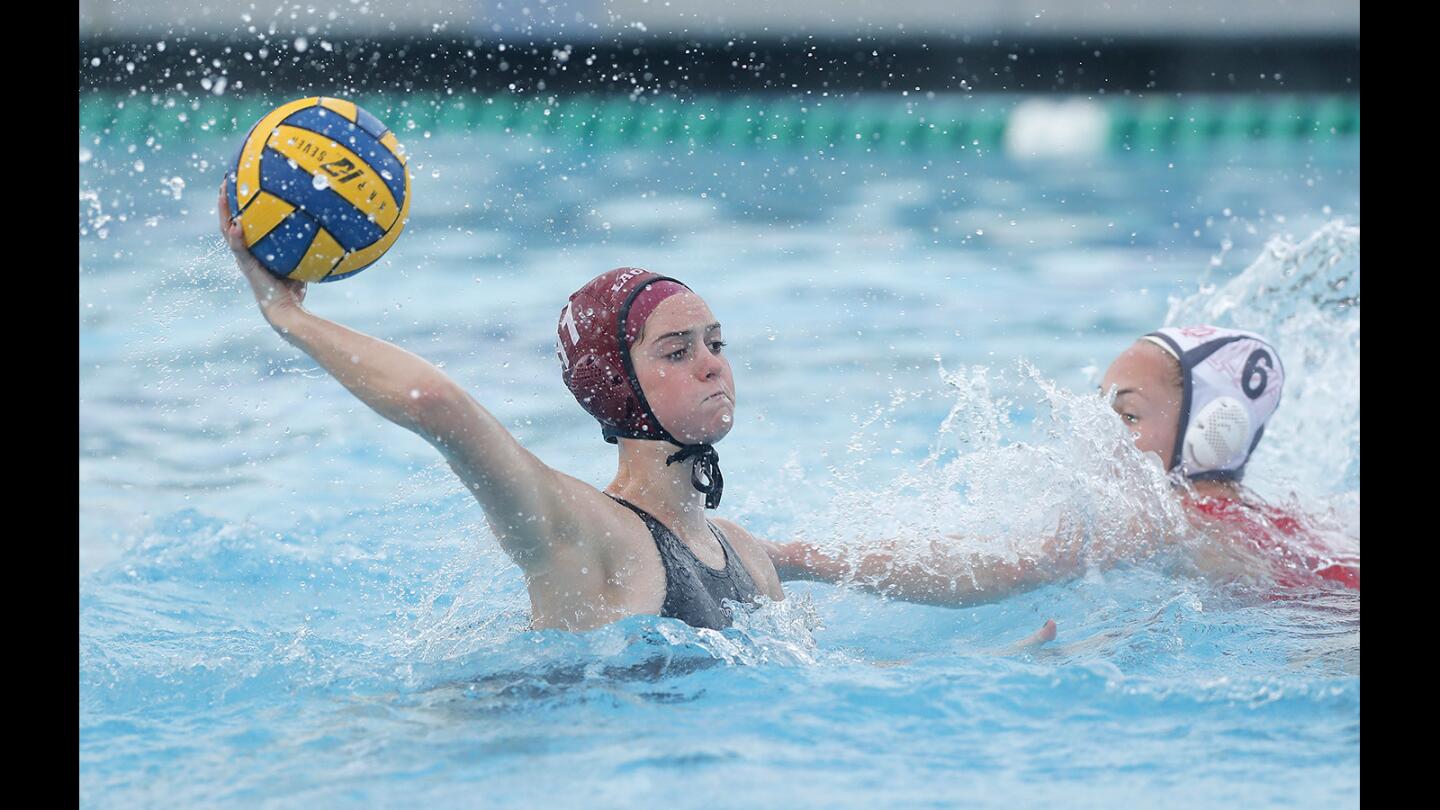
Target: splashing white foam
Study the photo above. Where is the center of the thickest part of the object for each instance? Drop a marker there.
(1305, 297)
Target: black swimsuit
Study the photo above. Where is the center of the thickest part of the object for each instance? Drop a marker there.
(693, 590)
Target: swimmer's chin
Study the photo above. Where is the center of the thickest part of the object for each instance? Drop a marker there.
(709, 434)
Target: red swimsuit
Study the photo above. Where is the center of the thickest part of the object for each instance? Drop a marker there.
(1281, 536)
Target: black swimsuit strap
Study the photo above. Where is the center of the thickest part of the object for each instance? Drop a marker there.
(665, 535)
(694, 591)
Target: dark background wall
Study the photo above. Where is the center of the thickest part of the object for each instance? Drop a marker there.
(679, 46)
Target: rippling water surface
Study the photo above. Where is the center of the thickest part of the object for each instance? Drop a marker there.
(286, 601)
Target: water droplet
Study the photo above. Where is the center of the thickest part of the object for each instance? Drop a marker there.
(320, 182)
(725, 417)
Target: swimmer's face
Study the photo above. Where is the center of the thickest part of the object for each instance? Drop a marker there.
(1147, 385)
(681, 366)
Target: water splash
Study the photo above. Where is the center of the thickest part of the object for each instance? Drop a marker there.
(1305, 297)
(1015, 463)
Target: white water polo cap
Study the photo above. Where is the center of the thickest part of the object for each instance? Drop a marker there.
(1231, 383)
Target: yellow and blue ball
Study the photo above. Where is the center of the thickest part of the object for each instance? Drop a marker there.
(321, 188)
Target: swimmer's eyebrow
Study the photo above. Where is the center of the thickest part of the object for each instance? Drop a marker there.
(1122, 392)
(685, 333)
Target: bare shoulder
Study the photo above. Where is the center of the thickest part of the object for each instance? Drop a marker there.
(572, 517)
(599, 552)
(589, 517)
(584, 511)
(753, 555)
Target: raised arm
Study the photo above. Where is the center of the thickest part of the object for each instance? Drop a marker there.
(517, 491)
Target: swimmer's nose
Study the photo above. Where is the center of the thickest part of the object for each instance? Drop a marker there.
(710, 366)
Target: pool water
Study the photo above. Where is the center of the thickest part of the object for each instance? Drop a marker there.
(286, 601)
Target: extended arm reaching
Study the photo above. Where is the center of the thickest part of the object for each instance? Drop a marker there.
(939, 577)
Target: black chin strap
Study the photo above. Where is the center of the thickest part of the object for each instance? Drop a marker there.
(705, 475)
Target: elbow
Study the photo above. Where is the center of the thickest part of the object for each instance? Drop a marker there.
(434, 407)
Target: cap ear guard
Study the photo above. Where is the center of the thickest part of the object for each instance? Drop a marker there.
(1218, 437)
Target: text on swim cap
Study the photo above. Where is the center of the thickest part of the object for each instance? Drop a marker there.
(1257, 369)
(626, 276)
(567, 319)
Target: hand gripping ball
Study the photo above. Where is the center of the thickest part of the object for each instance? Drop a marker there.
(321, 189)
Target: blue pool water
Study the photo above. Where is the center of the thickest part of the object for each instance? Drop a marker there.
(287, 602)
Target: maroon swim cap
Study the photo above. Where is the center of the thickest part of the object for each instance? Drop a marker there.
(597, 328)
